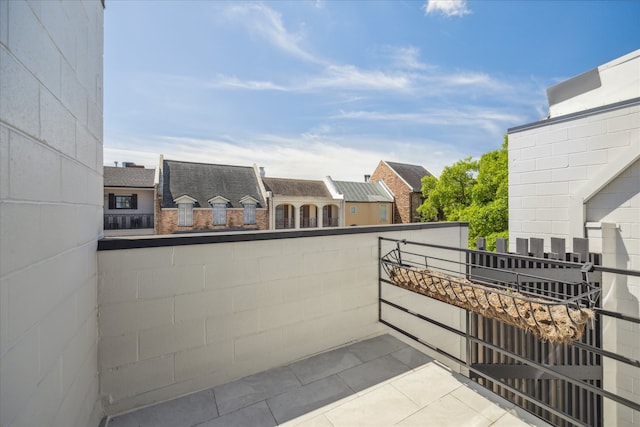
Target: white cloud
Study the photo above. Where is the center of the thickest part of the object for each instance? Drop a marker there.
(493, 121)
(226, 82)
(447, 7)
(267, 23)
(307, 156)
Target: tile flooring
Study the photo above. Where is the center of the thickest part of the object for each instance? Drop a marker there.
(377, 382)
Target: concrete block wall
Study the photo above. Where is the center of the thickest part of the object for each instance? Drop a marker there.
(50, 211)
(580, 177)
(551, 164)
(178, 319)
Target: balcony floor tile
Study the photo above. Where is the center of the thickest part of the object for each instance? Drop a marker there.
(376, 382)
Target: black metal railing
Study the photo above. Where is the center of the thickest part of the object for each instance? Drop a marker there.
(128, 221)
(559, 382)
(285, 223)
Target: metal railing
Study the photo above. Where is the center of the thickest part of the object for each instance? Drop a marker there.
(561, 383)
(128, 221)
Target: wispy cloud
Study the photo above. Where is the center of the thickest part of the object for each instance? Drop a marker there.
(306, 156)
(227, 82)
(267, 23)
(447, 7)
(491, 120)
(407, 57)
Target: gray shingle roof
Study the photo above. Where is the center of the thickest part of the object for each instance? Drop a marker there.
(412, 174)
(204, 181)
(128, 177)
(296, 187)
(363, 191)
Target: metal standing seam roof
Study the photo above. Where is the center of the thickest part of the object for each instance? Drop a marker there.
(128, 177)
(363, 191)
(296, 187)
(412, 174)
(204, 181)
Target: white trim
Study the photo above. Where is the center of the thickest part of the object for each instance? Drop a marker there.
(218, 199)
(249, 200)
(185, 198)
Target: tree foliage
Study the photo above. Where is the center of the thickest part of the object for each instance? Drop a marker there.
(476, 192)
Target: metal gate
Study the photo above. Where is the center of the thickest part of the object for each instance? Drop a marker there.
(572, 361)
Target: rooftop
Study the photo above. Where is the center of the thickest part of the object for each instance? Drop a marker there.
(412, 174)
(380, 381)
(128, 177)
(363, 191)
(203, 181)
(296, 187)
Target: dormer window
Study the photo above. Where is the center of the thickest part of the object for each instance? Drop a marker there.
(185, 210)
(219, 207)
(249, 204)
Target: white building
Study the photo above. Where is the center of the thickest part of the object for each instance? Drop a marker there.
(50, 210)
(577, 174)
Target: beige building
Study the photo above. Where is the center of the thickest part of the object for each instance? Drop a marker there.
(300, 203)
(365, 203)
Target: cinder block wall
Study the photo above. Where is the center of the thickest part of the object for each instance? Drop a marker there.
(178, 319)
(50, 210)
(552, 169)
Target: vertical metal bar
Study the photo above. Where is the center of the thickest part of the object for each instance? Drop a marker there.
(379, 279)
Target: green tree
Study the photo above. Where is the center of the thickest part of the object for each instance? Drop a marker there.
(446, 196)
(476, 192)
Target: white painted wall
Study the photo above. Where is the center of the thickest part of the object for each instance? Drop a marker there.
(145, 200)
(580, 177)
(619, 81)
(50, 210)
(178, 319)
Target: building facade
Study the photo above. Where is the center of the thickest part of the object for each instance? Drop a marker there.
(129, 195)
(51, 190)
(405, 183)
(300, 203)
(365, 203)
(208, 197)
(577, 174)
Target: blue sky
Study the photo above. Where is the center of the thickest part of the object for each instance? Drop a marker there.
(314, 88)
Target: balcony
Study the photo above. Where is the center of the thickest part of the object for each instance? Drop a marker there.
(294, 327)
(121, 224)
(378, 382)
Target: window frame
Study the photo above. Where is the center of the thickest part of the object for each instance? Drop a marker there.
(219, 213)
(383, 213)
(249, 213)
(185, 214)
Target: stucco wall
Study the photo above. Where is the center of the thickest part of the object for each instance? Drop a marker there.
(145, 200)
(50, 210)
(366, 213)
(178, 319)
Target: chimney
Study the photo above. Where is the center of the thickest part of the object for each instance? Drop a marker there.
(115, 163)
(262, 173)
(367, 178)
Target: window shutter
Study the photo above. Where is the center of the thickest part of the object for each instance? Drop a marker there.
(112, 201)
(189, 215)
(134, 201)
